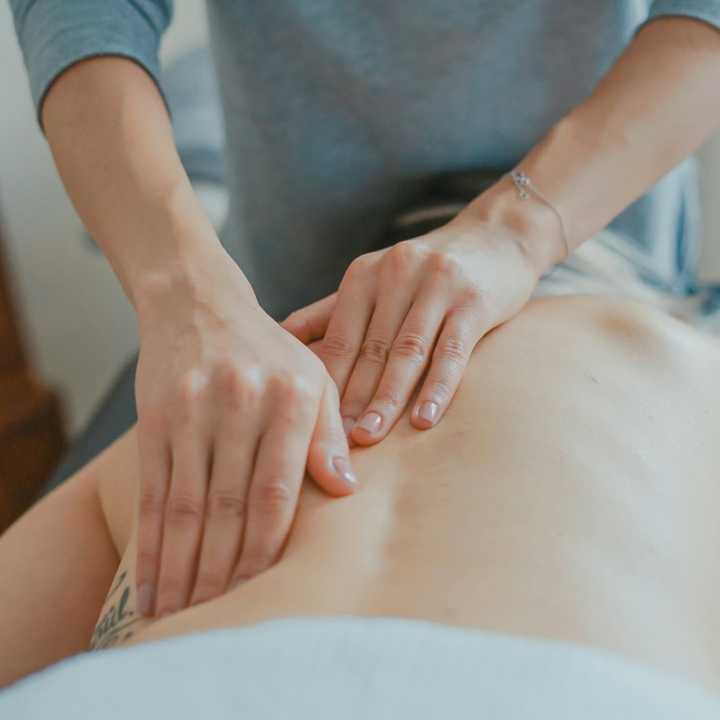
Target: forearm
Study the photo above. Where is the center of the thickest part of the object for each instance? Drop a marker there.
(654, 107)
(112, 141)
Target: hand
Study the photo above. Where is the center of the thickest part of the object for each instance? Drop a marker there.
(417, 307)
(231, 408)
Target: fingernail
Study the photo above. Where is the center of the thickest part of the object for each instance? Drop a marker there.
(428, 411)
(370, 422)
(344, 470)
(145, 599)
(348, 424)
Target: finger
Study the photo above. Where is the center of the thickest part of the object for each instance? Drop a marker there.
(310, 323)
(155, 468)
(460, 333)
(225, 514)
(277, 477)
(390, 312)
(347, 326)
(408, 359)
(399, 279)
(329, 457)
(184, 514)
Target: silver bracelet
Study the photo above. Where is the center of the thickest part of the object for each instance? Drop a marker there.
(523, 183)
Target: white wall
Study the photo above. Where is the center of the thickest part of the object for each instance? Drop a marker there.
(80, 327)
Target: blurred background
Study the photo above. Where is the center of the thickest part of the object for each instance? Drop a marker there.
(78, 326)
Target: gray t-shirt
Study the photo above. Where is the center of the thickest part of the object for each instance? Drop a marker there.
(337, 113)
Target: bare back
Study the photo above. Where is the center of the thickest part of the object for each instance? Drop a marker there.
(571, 492)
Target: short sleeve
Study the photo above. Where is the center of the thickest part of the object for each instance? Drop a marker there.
(705, 10)
(55, 34)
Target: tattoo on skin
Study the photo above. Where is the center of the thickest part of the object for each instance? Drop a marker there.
(116, 622)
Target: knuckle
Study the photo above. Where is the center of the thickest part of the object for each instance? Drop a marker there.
(336, 345)
(274, 496)
(453, 349)
(190, 387)
(444, 265)
(290, 387)
(151, 501)
(228, 377)
(473, 299)
(440, 390)
(387, 397)
(183, 507)
(359, 266)
(239, 387)
(375, 350)
(412, 346)
(402, 256)
(226, 504)
(147, 557)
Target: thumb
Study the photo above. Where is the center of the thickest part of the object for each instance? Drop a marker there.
(329, 455)
(311, 322)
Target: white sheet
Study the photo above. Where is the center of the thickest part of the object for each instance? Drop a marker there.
(352, 668)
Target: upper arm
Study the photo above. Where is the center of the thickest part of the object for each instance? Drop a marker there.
(56, 34)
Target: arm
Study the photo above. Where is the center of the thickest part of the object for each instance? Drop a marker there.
(654, 107)
(213, 366)
(221, 468)
(112, 142)
(437, 295)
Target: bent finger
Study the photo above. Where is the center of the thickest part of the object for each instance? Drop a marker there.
(155, 469)
(408, 359)
(310, 322)
(346, 329)
(385, 324)
(328, 456)
(226, 508)
(275, 485)
(184, 514)
(450, 358)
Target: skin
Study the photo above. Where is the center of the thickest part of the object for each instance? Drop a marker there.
(207, 396)
(569, 494)
(208, 389)
(417, 310)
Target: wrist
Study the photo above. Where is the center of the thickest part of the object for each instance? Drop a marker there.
(534, 227)
(178, 256)
(202, 276)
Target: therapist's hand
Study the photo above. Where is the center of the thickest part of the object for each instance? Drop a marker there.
(231, 409)
(411, 315)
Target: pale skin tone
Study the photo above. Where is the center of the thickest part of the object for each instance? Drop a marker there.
(231, 407)
(570, 494)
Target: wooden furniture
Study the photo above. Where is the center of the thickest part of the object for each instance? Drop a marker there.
(31, 428)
